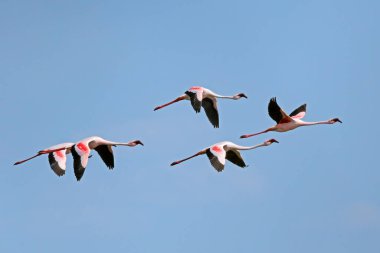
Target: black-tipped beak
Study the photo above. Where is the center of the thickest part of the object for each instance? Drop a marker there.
(139, 143)
(275, 141)
(243, 96)
(336, 120)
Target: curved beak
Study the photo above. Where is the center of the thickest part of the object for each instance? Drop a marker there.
(139, 143)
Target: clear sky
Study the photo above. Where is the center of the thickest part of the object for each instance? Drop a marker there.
(72, 69)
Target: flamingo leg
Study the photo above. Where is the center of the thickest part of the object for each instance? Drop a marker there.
(250, 135)
(172, 102)
(47, 151)
(30, 158)
(180, 161)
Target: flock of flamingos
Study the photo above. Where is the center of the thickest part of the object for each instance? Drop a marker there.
(217, 153)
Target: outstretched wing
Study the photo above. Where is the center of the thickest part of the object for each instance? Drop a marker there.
(57, 162)
(105, 152)
(235, 157)
(299, 113)
(276, 113)
(217, 156)
(196, 96)
(211, 109)
(80, 154)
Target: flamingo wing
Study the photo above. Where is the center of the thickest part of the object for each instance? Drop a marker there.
(299, 113)
(217, 156)
(234, 156)
(276, 113)
(57, 162)
(211, 109)
(80, 154)
(196, 96)
(105, 152)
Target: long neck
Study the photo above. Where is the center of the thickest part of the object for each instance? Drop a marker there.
(221, 96)
(314, 123)
(249, 147)
(227, 97)
(111, 143)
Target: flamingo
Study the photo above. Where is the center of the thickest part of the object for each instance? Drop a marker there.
(219, 152)
(81, 151)
(56, 155)
(202, 97)
(289, 122)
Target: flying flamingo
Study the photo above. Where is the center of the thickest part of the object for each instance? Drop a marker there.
(56, 155)
(288, 122)
(202, 97)
(219, 152)
(81, 151)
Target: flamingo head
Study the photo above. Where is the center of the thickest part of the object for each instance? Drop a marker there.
(240, 95)
(135, 143)
(334, 120)
(270, 141)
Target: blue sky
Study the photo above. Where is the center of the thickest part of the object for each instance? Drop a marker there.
(74, 69)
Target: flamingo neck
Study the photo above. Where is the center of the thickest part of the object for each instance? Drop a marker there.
(314, 123)
(129, 144)
(249, 147)
(235, 97)
(227, 97)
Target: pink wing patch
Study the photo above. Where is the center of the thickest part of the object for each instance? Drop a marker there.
(217, 149)
(59, 154)
(196, 88)
(82, 147)
(83, 151)
(299, 115)
(60, 158)
(198, 91)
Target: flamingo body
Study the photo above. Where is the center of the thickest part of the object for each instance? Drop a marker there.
(201, 97)
(287, 122)
(222, 151)
(56, 156)
(82, 149)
